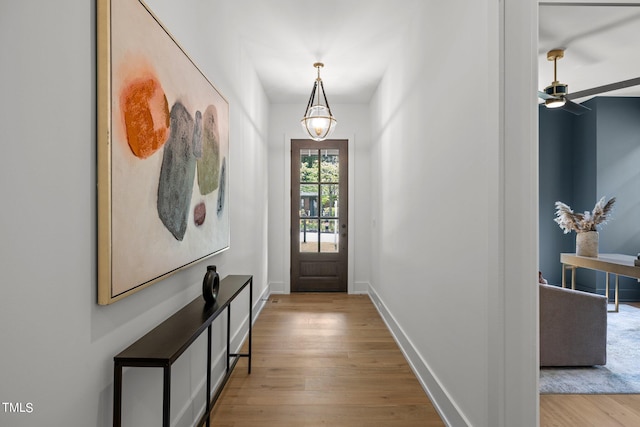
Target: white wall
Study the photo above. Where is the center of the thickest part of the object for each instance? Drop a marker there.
(57, 343)
(445, 210)
(354, 125)
(431, 265)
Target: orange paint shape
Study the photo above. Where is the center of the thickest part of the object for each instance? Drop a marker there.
(146, 116)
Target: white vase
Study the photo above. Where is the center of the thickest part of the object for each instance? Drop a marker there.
(587, 244)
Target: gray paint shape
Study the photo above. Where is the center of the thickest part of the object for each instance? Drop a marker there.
(177, 173)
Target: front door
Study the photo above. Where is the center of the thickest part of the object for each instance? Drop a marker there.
(319, 209)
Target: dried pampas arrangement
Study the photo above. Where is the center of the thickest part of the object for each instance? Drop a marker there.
(587, 221)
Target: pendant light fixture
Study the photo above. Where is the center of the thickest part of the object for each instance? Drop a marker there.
(318, 121)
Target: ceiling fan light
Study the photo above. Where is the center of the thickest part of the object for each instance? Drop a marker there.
(555, 102)
(556, 91)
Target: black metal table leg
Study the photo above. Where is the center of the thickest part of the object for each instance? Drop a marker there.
(117, 395)
(166, 397)
(208, 402)
(228, 335)
(250, 320)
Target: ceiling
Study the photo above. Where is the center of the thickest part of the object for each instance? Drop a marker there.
(601, 42)
(356, 39)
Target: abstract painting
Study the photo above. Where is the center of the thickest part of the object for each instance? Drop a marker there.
(163, 148)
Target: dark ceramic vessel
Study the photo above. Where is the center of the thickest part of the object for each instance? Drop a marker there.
(210, 285)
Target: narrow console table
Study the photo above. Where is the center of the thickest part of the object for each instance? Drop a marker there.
(162, 346)
(616, 264)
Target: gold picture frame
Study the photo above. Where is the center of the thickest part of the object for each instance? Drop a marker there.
(163, 154)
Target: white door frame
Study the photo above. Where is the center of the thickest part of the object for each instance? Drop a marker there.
(513, 321)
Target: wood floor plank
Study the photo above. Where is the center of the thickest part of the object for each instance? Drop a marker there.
(312, 415)
(324, 359)
(588, 410)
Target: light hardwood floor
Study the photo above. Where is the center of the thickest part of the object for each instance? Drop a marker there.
(329, 359)
(589, 410)
(323, 359)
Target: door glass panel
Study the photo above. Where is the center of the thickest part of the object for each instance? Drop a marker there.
(309, 235)
(309, 200)
(329, 237)
(329, 171)
(308, 165)
(329, 200)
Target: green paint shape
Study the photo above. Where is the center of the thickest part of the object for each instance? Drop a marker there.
(209, 163)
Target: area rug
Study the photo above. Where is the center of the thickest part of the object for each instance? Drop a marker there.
(621, 374)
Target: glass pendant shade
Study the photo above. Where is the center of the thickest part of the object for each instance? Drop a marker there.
(318, 122)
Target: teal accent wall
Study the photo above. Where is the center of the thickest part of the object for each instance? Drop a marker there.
(556, 170)
(584, 155)
(583, 158)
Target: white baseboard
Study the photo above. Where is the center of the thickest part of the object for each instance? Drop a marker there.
(361, 287)
(278, 288)
(260, 302)
(282, 288)
(446, 407)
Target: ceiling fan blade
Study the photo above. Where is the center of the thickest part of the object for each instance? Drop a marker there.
(575, 108)
(544, 95)
(606, 88)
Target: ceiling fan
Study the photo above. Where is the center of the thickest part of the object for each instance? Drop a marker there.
(556, 95)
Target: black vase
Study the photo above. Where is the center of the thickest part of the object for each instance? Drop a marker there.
(210, 285)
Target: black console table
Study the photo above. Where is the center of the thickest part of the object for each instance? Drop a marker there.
(164, 344)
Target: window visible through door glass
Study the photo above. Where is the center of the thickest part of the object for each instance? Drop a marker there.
(319, 200)
(308, 165)
(309, 200)
(330, 166)
(309, 235)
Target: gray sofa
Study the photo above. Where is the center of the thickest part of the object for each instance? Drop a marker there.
(573, 327)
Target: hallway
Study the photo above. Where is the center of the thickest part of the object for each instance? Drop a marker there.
(324, 359)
